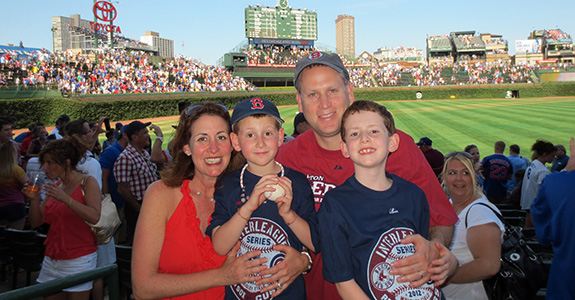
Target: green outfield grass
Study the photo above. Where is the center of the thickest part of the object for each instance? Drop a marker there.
(453, 124)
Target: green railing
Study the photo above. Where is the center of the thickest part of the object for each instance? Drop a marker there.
(109, 273)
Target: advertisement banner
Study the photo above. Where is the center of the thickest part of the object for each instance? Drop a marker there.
(528, 46)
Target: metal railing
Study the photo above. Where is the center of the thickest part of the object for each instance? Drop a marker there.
(109, 273)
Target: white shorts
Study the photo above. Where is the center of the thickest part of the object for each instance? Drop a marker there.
(55, 269)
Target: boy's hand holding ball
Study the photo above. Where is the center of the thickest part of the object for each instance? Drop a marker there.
(279, 192)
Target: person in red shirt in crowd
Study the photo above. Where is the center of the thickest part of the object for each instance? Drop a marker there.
(433, 156)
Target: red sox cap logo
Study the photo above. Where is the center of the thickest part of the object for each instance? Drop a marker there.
(315, 55)
(104, 11)
(257, 103)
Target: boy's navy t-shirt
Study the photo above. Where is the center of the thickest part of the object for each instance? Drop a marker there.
(265, 228)
(360, 231)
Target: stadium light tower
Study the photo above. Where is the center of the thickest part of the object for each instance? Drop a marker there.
(112, 31)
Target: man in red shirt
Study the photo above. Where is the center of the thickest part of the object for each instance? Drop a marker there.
(433, 156)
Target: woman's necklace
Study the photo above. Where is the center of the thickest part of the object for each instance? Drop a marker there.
(243, 195)
(200, 194)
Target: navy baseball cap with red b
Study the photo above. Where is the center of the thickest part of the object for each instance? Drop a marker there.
(331, 60)
(254, 106)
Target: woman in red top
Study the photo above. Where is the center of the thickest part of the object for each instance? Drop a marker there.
(172, 257)
(70, 244)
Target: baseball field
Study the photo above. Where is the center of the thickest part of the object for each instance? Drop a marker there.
(453, 124)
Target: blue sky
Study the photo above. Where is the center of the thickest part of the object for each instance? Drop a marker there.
(211, 28)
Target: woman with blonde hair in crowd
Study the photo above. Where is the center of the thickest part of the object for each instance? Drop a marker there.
(70, 202)
(477, 237)
(12, 179)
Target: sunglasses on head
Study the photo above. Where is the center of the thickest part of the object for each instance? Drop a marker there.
(454, 153)
(192, 108)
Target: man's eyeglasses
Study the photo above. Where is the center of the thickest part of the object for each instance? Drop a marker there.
(192, 108)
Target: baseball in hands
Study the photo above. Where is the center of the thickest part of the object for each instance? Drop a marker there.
(279, 192)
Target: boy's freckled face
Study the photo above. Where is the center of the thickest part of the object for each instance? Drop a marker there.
(367, 140)
(258, 139)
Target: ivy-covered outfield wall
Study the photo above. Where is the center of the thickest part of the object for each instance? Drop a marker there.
(128, 107)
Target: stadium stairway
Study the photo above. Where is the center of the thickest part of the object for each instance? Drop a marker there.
(406, 79)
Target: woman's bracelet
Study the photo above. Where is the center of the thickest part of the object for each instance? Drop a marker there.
(246, 219)
(289, 223)
(70, 203)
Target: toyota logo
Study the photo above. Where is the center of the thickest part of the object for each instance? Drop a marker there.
(105, 11)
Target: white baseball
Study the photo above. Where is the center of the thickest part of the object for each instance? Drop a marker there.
(279, 192)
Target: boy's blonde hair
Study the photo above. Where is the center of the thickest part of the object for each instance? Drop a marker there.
(364, 105)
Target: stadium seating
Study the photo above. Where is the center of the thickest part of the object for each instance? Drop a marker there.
(124, 262)
(27, 247)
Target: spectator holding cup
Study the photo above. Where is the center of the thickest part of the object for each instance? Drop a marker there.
(70, 202)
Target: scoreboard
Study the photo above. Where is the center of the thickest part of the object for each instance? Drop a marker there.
(280, 22)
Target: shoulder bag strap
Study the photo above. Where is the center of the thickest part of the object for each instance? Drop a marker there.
(83, 184)
(493, 210)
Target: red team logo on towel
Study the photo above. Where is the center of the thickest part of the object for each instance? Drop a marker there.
(381, 283)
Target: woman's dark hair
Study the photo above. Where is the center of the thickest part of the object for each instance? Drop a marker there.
(69, 148)
(540, 148)
(75, 127)
(182, 166)
(469, 147)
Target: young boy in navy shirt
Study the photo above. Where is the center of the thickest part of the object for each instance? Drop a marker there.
(363, 220)
(263, 204)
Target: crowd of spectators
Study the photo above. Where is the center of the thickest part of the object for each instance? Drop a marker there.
(104, 37)
(435, 74)
(556, 34)
(276, 55)
(438, 37)
(406, 52)
(495, 42)
(469, 41)
(121, 72)
(118, 72)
